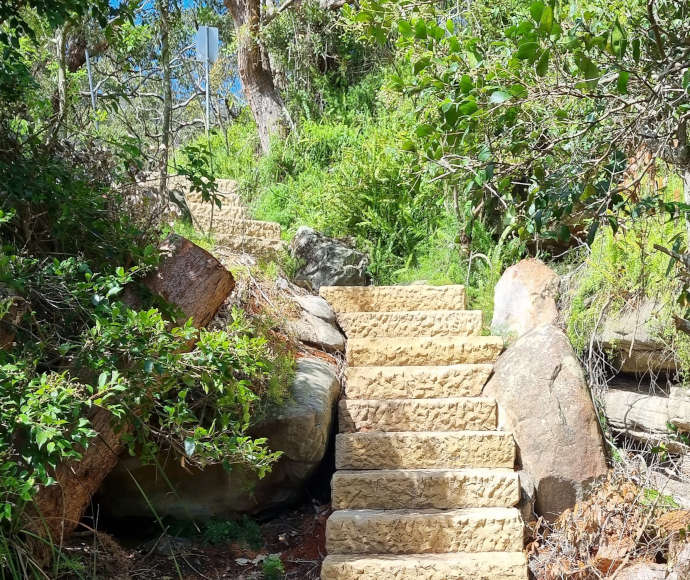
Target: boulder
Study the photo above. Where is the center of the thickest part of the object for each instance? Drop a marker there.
(324, 261)
(629, 335)
(316, 306)
(545, 402)
(524, 298)
(317, 332)
(301, 429)
(645, 571)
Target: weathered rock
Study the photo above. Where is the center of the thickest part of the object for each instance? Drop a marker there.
(417, 323)
(324, 261)
(425, 488)
(528, 496)
(481, 566)
(451, 414)
(420, 450)
(301, 429)
(645, 571)
(316, 306)
(639, 414)
(544, 400)
(424, 531)
(405, 351)
(395, 298)
(630, 336)
(524, 298)
(416, 382)
(316, 331)
(189, 278)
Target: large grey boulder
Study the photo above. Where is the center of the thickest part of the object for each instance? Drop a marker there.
(323, 261)
(301, 429)
(316, 325)
(524, 298)
(545, 402)
(630, 336)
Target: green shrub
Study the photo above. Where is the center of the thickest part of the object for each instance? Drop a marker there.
(245, 531)
(273, 568)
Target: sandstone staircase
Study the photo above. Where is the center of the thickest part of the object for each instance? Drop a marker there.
(425, 485)
(233, 230)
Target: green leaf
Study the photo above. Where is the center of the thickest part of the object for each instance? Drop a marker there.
(527, 50)
(622, 83)
(421, 64)
(591, 234)
(498, 97)
(423, 130)
(450, 26)
(420, 29)
(543, 63)
(466, 84)
(405, 28)
(546, 20)
(536, 9)
(636, 49)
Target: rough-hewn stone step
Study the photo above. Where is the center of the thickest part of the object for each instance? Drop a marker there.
(394, 298)
(258, 247)
(416, 382)
(424, 450)
(450, 414)
(425, 488)
(202, 212)
(257, 229)
(461, 566)
(444, 350)
(417, 323)
(226, 198)
(424, 531)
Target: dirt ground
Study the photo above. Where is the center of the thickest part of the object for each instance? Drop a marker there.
(297, 536)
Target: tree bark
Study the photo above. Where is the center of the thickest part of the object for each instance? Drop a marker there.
(255, 71)
(164, 15)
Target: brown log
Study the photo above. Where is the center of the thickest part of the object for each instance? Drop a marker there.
(189, 278)
(195, 282)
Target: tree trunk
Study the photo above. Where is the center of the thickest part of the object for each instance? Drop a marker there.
(164, 15)
(685, 174)
(256, 75)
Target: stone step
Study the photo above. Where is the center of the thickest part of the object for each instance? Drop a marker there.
(460, 566)
(492, 529)
(425, 488)
(257, 247)
(450, 414)
(226, 198)
(424, 450)
(202, 212)
(394, 298)
(254, 228)
(416, 382)
(417, 323)
(426, 350)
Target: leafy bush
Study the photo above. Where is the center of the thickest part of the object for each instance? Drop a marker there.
(245, 531)
(273, 568)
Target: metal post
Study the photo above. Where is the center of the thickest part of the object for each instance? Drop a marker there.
(88, 70)
(208, 107)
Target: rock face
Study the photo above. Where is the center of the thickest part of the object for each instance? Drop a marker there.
(317, 332)
(327, 262)
(544, 400)
(524, 298)
(301, 429)
(629, 335)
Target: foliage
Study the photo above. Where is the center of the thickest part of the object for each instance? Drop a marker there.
(273, 568)
(622, 269)
(244, 531)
